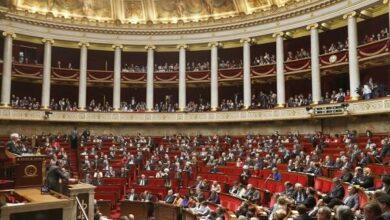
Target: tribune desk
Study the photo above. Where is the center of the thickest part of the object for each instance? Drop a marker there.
(37, 206)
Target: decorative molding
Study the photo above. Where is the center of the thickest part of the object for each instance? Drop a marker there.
(9, 34)
(120, 46)
(215, 44)
(80, 44)
(185, 46)
(379, 106)
(147, 47)
(350, 14)
(50, 41)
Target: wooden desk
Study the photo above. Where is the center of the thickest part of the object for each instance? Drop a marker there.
(188, 215)
(140, 210)
(167, 211)
(38, 206)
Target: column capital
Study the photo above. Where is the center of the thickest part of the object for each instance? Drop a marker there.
(46, 40)
(147, 47)
(285, 35)
(312, 26)
(80, 44)
(185, 46)
(120, 46)
(215, 44)
(350, 14)
(9, 34)
(247, 40)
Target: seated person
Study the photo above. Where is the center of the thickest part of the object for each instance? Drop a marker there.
(352, 200)
(146, 196)
(203, 209)
(214, 197)
(276, 174)
(143, 181)
(252, 194)
(337, 191)
(170, 197)
(132, 196)
(216, 187)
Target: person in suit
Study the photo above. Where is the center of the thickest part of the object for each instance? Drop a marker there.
(346, 176)
(367, 181)
(300, 194)
(143, 181)
(352, 200)
(288, 189)
(384, 204)
(169, 198)
(11, 145)
(214, 197)
(199, 184)
(252, 194)
(132, 196)
(146, 196)
(245, 175)
(54, 174)
(337, 191)
(302, 211)
(73, 138)
(310, 201)
(372, 211)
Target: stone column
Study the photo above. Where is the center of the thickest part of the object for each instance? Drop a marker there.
(149, 78)
(7, 69)
(117, 77)
(214, 75)
(354, 74)
(182, 77)
(83, 76)
(280, 83)
(45, 103)
(247, 93)
(315, 63)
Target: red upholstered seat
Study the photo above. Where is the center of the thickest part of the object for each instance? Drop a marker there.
(318, 184)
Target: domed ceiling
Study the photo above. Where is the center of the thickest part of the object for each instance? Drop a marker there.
(144, 11)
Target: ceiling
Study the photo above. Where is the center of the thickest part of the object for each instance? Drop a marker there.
(144, 11)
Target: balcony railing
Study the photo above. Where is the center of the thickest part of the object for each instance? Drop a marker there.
(368, 51)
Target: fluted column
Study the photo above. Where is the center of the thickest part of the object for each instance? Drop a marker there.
(315, 63)
(7, 69)
(45, 102)
(182, 77)
(280, 83)
(354, 73)
(214, 75)
(149, 78)
(117, 77)
(83, 76)
(246, 46)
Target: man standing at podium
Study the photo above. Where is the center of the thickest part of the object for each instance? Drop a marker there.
(11, 145)
(54, 174)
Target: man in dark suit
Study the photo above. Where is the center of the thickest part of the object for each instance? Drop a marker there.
(132, 196)
(73, 138)
(302, 211)
(146, 196)
(169, 198)
(352, 200)
(337, 191)
(214, 197)
(300, 194)
(310, 201)
(11, 145)
(346, 176)
(143, 181)
(252, 194)
(54, 174)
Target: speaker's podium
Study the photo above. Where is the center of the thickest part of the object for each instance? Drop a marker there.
(28, 170)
